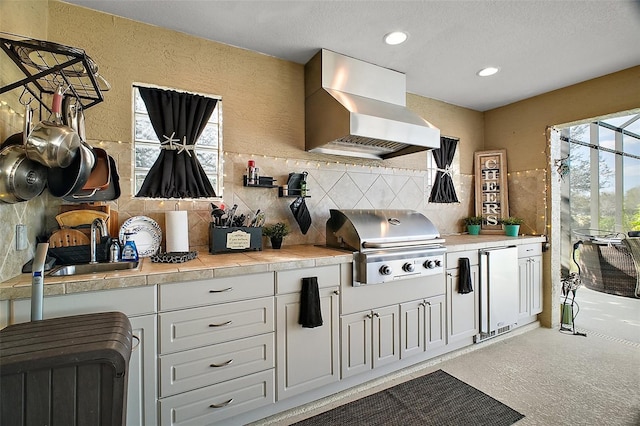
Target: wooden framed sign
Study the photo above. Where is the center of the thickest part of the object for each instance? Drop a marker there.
(492, 200)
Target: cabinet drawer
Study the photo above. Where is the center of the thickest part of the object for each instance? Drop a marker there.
(218, 402)
(527, 250)
(197, 368)
(132, 302)
(291, 281)
(198, 327)
(215, 290)
(452, 258)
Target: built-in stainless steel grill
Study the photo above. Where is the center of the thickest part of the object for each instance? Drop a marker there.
(388, 245)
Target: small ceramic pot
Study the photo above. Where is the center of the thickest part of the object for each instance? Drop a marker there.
(473, 229)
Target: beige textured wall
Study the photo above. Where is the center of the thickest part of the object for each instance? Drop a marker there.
(520, 127)
(454, 121)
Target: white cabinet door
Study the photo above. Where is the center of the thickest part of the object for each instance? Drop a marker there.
(435, 322)
(142, 389)
(529, 286)
(386, 338)
(536, 284)
(412, 328)
(524, 294)
(356, 343)
(307, 357)
(422, 325)
(370, 339)
(462, 309)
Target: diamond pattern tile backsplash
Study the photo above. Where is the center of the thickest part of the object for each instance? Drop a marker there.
(331, 185)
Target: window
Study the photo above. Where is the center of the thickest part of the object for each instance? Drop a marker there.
(147, 146)
(604, 179)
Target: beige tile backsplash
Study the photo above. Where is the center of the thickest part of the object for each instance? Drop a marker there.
(331, 185)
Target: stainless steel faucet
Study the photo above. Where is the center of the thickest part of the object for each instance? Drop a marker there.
(97, 223)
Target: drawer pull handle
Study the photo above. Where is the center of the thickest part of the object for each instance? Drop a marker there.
(224, 404)
(220, 325)
(221, 291)
(221, 365)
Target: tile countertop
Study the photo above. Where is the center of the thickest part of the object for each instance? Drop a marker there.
(223, 265)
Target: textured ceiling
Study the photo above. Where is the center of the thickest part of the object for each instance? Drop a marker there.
(539, 45)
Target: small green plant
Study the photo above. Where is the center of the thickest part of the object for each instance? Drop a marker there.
(473, 220)
(511, 220)
(277, 230)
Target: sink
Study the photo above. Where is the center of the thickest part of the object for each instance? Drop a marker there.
(91, 268)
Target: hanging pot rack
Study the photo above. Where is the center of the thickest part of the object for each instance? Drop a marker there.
(48, 65)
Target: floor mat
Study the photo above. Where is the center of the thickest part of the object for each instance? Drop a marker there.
(435, 399)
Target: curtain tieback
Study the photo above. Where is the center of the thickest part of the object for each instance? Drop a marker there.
(446, 171)
(173, 144)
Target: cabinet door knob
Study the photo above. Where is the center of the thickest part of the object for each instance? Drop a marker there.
(221, 291)
(224, 404)
(220, 325)
(336, 292)
(375, 314)
(369, 316)
(221, 365)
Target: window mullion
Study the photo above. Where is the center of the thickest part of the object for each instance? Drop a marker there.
(619, 183)
(594, 139)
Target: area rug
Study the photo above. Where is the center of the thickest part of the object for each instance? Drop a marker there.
(435, 399)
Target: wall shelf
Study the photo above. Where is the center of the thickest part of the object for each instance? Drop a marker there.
(263, 182)
(292, 193)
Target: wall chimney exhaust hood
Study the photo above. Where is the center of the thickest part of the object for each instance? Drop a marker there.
(358, 109)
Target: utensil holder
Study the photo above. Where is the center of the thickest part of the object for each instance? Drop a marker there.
(224, 239)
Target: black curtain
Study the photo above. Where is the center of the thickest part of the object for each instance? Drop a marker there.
(178, 120)
(443, 190)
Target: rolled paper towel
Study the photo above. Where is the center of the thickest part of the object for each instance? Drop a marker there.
(177, 225)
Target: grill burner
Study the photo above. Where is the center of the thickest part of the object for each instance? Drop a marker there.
(388, 245)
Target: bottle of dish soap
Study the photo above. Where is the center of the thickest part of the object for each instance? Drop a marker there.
(129, 251)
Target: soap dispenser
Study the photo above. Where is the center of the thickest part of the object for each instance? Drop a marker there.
(129, 251)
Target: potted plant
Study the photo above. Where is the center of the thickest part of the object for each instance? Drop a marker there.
(473, 224)
(276, 232)
(511, 225)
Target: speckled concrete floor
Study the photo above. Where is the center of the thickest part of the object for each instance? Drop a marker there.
(551, 377)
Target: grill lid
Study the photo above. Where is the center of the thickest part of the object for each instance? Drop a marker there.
(376, 229)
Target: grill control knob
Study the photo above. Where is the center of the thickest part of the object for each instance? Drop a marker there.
(385, 270)
(407, 267)
(429, 264)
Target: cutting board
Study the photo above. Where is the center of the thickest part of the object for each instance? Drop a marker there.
(112, 224)
(74, 218)
(68, 238)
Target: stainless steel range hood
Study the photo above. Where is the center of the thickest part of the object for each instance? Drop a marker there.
(357, 109)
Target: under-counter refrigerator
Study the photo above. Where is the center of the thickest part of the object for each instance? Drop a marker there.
(498, 288)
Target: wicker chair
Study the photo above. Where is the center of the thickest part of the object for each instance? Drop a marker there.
(611, 268)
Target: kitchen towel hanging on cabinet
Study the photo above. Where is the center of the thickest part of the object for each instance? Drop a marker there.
(178, 120)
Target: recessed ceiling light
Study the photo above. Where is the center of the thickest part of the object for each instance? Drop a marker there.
(486, 72)
(396, 37)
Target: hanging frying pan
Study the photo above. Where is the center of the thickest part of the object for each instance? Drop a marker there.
(20, 178)
(69, 180)
(110, 193)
